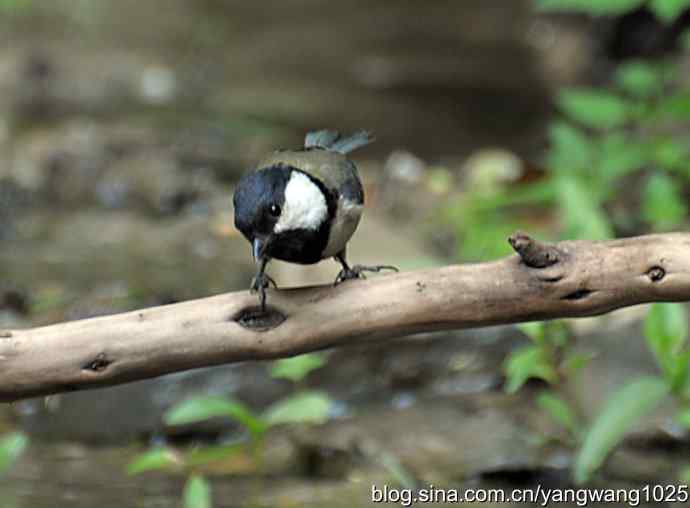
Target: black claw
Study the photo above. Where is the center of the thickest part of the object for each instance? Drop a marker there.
(259, 285)
(357, 272)
(262, 299)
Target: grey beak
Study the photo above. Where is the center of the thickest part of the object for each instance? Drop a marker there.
(258, 248)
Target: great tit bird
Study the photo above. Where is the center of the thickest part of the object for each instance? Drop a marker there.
(303, 206)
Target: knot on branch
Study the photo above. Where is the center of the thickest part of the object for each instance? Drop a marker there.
(656, 273)
(258, 319)
(98, 364)
(534, 253)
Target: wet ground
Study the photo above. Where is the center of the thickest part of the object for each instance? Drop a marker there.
(123, 128)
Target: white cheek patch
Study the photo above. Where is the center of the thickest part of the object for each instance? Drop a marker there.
(304, 207)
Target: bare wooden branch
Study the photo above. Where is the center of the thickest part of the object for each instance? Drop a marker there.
(542, 282)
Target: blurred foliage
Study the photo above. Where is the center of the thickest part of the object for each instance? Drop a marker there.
(199, 409)
(549, 357)
(620, 413)
(11, 448)
(156, 459)
(398, 473)
(666, 331)
(561, 411)
(303, 407)
(15, 6)
(298, 367)
(307, 406)
(608, 142)
(197, 493)
(666, 10)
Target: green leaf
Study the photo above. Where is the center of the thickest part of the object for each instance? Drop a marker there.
(619, 156)
(556, 333)
(621, 412)
(594, 108)
(154, 460)
(525, 363)
(570, 148)
(662, 204)
(639, 78)
(683, 418)
(560, 411)
(298, 367)
(666, 332)
(534, 330)
(675, 106)
(583, 217)
(593, 7)
(202, 408)
(197, 493)
(666, 326)
(207, 454)
(670, 154)
(11, 447)
(668, 10)
(574, 362)
(304, 407)
(679, 374)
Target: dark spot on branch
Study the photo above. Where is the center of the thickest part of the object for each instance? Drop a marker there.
(420, 287)
(258, 320)
(5, 334)
(533, 253)
(553, 279)
(140, 315)
(656, 273)
(98, 364)
(578, 295)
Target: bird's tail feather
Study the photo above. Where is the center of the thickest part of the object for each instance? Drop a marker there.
(321, 139)
(331, 140)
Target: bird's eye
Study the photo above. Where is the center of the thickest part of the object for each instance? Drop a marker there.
(274, 210)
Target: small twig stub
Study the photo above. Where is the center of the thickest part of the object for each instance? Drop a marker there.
(533, 253)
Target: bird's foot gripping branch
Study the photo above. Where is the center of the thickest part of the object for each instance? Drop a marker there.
(543, 281)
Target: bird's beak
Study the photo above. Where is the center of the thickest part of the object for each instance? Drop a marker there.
(258, 248)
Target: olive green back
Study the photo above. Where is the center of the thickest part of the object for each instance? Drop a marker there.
(332, 168)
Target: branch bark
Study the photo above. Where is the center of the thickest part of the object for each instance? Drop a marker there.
(543, 281)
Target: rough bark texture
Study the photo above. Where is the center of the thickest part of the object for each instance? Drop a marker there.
(543, 281)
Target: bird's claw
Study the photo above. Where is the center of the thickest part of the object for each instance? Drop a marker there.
(357, 272)
(263, 281)
(259, 285)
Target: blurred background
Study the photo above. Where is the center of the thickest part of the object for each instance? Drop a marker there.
(124, 126)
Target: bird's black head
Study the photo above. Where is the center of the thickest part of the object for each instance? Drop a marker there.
(259, 199)
(284, 212)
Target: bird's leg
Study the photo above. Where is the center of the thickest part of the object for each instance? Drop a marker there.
(261, 281)
(357, 271)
